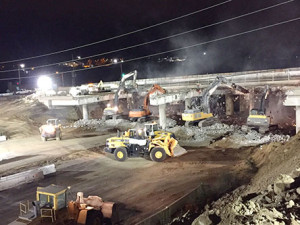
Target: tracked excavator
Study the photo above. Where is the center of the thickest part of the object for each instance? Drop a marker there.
(198, 115)
(114, 111)
(143, 113)
(257, 118)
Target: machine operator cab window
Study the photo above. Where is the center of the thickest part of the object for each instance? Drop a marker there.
(256, 112)
(138, 137)
(53, 122)
(151, 128)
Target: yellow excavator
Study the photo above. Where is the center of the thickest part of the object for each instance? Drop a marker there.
(257, 118)
(137, 143)
(200, 113)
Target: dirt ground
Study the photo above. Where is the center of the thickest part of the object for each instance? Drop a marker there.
(145, 187)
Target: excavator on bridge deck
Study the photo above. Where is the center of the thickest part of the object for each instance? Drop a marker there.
(143, 113)
(113, 111)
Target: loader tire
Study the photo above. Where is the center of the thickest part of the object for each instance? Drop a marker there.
(121, 154)
(44, 138)
(158, 154)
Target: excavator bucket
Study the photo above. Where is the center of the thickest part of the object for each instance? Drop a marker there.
(176, 149)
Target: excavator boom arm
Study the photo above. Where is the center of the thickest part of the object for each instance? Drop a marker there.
(153, 89)
(122, 85)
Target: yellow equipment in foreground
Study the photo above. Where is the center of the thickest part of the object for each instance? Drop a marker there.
(136, 143)
(51, 203)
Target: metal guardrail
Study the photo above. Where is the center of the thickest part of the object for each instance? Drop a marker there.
(236, 77)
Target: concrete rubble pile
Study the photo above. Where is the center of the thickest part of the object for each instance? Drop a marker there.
(169, 122)
(120, 124)
(278, 204)
(253, 138)
(193, 136)
(196, 136)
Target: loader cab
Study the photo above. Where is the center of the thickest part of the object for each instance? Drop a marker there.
(151, 128)
(54, 122)
(137, 134)
(256, 112)
(52, 196)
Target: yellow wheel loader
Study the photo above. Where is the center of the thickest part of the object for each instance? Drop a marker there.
(136, 143)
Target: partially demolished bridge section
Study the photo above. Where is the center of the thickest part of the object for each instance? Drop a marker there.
(183, 88)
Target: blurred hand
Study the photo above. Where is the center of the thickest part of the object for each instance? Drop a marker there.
(94, 201)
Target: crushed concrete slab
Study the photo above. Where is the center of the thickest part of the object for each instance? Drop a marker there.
(3, 138)
(265, 207)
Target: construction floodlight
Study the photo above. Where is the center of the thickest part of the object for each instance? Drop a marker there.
(44, 83)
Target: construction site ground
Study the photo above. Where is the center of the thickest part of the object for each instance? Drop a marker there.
(142, 186)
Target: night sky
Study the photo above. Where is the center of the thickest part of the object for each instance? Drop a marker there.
(30, 28)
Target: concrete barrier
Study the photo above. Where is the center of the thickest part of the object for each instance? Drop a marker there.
(25, 177)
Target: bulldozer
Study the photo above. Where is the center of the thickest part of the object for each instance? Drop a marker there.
(137, 143)
(50, 130)
(143, 113)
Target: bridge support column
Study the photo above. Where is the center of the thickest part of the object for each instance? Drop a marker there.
(187, 103)
(85, 112)
(229, 105)
(50, 104)
(244, 103)
(162, 115)
(297, 119)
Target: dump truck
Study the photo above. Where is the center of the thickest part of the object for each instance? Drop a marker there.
(137, 143)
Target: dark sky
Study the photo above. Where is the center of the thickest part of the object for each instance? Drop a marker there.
(31, 27)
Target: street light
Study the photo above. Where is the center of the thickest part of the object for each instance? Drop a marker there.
(115, 61)
(22, 66)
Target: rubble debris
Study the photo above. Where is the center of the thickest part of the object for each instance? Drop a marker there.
(265, 207)
(100, 125)
(194, 136)
(2, 137)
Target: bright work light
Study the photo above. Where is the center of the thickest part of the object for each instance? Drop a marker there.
(44, 83)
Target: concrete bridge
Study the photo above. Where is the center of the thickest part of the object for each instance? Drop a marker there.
(183, 88)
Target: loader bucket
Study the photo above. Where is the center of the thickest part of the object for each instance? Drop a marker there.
(175, 148)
